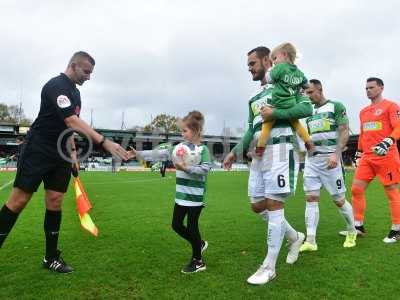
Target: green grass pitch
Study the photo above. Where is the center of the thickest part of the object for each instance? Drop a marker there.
(137, 255)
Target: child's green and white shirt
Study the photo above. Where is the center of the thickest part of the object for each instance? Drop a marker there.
(190, 184)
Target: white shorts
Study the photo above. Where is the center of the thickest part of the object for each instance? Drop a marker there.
(317, 175)
(275, 175)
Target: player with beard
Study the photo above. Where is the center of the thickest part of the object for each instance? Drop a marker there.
(272, 177)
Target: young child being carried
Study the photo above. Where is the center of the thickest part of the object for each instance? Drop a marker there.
(288, 80)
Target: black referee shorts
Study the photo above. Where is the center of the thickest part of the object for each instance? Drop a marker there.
(39, 162)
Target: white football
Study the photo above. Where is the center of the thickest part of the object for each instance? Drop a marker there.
(186, 153)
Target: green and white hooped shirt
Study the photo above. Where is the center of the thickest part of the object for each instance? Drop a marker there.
(190, 185)
(323, 125)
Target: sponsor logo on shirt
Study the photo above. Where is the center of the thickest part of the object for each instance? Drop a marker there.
(63, 101)
(319, 125)
(372, 126)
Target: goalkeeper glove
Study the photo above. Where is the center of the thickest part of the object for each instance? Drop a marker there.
(383, 147)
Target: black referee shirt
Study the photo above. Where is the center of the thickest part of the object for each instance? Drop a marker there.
(59, 99)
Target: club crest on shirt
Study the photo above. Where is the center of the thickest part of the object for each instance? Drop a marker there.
(378, 112)
(63, 101)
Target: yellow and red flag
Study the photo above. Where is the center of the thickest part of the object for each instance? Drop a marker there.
(83, 206)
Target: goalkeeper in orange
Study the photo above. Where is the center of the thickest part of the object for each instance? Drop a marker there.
(377, 155)
(287, 82)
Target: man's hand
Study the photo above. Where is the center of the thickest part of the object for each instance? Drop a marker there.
(357, 157)
(228, 161)
(383, 147)
(75, 169)
(180, 166)
(266, 113)
(115, 149)
(75, 164)
(332, 161)
(131, 152)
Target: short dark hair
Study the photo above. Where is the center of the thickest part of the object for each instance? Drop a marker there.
(260, 51)
(315, 82)
(377, 80)
(82, 55)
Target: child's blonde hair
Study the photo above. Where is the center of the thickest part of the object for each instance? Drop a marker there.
(194, 121)
(289, 49)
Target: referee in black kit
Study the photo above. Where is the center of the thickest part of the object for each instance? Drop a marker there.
(41, 161)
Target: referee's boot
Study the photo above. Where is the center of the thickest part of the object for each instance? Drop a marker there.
(57, 264)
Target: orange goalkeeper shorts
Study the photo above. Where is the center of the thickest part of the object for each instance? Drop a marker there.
(387, 168)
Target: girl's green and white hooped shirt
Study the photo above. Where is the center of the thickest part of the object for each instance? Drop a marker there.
(190, 185)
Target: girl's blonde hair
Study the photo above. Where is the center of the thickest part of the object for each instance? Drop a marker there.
(194, 120)
(289, 49)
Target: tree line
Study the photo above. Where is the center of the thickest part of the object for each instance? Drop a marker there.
(163, 123)
(13, 114)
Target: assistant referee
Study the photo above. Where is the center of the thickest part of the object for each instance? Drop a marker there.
(40, 161)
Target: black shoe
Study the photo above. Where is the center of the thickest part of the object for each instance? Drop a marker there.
(204, 246)
(57, 264)
(393, 237)
(194, 266)
(360, 230)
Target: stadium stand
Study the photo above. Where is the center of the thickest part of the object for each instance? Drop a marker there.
(218, 145)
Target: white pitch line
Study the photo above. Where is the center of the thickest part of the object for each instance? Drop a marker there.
(6, 185)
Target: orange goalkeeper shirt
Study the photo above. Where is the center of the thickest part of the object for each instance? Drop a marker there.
(377, 122)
